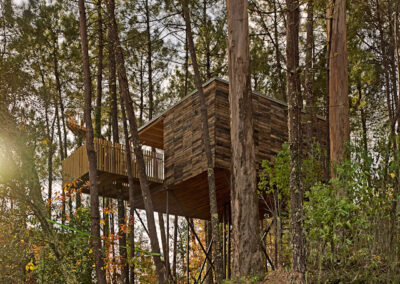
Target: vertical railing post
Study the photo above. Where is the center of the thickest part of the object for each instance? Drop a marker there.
(155, 162)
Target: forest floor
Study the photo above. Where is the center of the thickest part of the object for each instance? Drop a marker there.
(276, 277)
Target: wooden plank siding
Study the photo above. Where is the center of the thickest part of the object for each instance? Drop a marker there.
(183, 142)
(184, 153)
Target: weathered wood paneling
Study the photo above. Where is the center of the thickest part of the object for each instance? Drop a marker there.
(269, 122)
(183, 144)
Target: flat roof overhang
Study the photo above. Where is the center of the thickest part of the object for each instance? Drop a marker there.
(152, 133)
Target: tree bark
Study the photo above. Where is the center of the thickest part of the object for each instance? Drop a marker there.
(141, 106)
(97, 114)
(59, 92)
(163, 238)
(339, 125)
(131, 194)
(295, 141)
(175, 246)
(311, 116)
(149, 60)
(207, 42)
(186, 87)
(282, 83)
(219, 273)
(58, 101)
(50, 139)
(115, 135)
(208, 236)
(384, 60)
(247, 259)
(124, 89)
(94, 194)
(396, 116)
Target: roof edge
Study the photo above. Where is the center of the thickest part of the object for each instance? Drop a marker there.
(206, 84)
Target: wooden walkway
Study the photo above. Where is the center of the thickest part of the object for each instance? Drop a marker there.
(111, 159)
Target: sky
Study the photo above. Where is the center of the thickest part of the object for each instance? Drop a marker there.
(20, 2)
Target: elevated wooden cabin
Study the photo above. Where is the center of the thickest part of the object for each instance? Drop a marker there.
(178, 165)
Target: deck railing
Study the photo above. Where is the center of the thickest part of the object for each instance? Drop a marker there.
(111, 158)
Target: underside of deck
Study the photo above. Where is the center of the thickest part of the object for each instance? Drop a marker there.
(189, 198)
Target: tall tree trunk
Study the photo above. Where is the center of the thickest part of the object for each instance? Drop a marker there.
(295, 141)
(124, 89)
(149, 60)
(115, 136)
(282, 83)
(50, 138)
(151, 110)
(382, 45)
(186, 87)
(327, 164)
(339, 124)
(247, 259)
(62, 157)
(208, 236)
(131, 194)
(63, 145)
(59, 93)
(396, 116)
(175, 246)
(219, 273)
(94, 194)
(207, 42)
(97, 114)
(391, 45)
(311, 117)
(163, 238)
(141, 106)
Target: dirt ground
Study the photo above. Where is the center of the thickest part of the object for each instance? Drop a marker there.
(276, 277)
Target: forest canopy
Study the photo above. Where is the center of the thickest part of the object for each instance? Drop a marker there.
(73, 73)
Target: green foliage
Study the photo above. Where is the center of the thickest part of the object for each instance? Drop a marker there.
(351, 236)
(345, 232)
(275, 174)
(77, 250)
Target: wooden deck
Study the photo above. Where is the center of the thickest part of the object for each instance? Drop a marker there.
(111, 160)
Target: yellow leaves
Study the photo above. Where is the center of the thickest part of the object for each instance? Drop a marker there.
(393, 175)
(30, 266)
(102, 222)
(37, 249)
(108, 210)
(90, 251)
